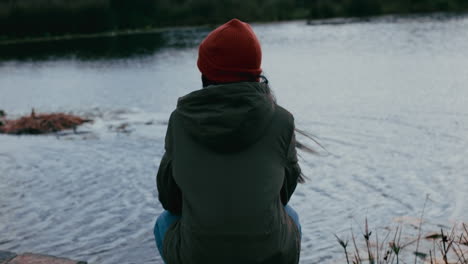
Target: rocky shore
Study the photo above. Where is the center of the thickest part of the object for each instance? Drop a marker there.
(7, 257)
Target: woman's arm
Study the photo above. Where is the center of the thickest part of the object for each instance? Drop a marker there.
(292, 171)
(169, 192)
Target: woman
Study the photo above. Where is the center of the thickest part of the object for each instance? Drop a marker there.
(230, 165)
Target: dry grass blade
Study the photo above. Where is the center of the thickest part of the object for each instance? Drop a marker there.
(419, 231)
(377, 257)
(465, 260)
(395, 244)
(367, 235)
(387, 256)
(443, 247)
(464, 240)
(358, 258)
(464, 236)
(344, 245)
(387, 252)
(460, 255)
(391, 246)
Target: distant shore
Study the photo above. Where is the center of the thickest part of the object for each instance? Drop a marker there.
(43, 20)
(91, 35)
(315, 21)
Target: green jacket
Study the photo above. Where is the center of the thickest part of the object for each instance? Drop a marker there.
(229, 168)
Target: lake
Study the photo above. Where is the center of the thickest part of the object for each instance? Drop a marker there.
(387, 98)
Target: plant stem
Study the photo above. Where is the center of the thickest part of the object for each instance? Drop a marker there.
(419, 231)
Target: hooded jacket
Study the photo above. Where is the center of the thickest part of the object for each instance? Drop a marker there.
(228, 169)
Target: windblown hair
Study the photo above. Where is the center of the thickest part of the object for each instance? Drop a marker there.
(299, 145)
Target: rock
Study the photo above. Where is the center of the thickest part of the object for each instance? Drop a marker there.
(30, 258)
(122, 128)
(5, 256)
(2, 117)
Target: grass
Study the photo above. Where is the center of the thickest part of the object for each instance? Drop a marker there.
(452, 247)
(440, 247)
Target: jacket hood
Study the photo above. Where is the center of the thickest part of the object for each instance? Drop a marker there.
(227, 117)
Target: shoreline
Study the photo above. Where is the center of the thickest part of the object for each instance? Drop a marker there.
(8, 257)
(104, 34)
(309, 21)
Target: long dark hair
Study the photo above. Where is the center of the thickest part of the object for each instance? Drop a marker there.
(299, 144)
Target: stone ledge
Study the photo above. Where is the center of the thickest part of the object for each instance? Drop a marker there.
(6, 256)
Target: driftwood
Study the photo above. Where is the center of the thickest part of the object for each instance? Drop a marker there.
(40, 123)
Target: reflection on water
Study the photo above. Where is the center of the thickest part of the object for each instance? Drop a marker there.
(105, 47)
(387, 98)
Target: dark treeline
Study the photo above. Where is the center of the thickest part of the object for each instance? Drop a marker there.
(359, 8)
(22, 18)
(30, 18)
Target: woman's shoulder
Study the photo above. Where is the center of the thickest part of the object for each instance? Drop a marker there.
(284, 115)
(283, 122)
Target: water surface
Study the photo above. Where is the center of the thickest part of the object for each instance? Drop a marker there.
(388, 99)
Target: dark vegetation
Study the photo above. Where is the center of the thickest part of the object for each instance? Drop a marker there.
(43, 18)
(360, 8)
(25, 18)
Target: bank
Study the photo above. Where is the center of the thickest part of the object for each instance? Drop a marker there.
(43, 20)
(7, 257)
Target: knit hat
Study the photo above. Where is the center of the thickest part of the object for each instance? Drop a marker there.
(230, 53)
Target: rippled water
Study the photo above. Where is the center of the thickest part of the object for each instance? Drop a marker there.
(387, 98)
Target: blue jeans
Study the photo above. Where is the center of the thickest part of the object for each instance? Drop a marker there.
(166, 219)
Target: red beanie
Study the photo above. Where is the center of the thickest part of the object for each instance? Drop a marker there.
(231, 53)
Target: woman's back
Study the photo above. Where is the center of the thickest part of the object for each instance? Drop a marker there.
(230, 165)
(231, 204)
